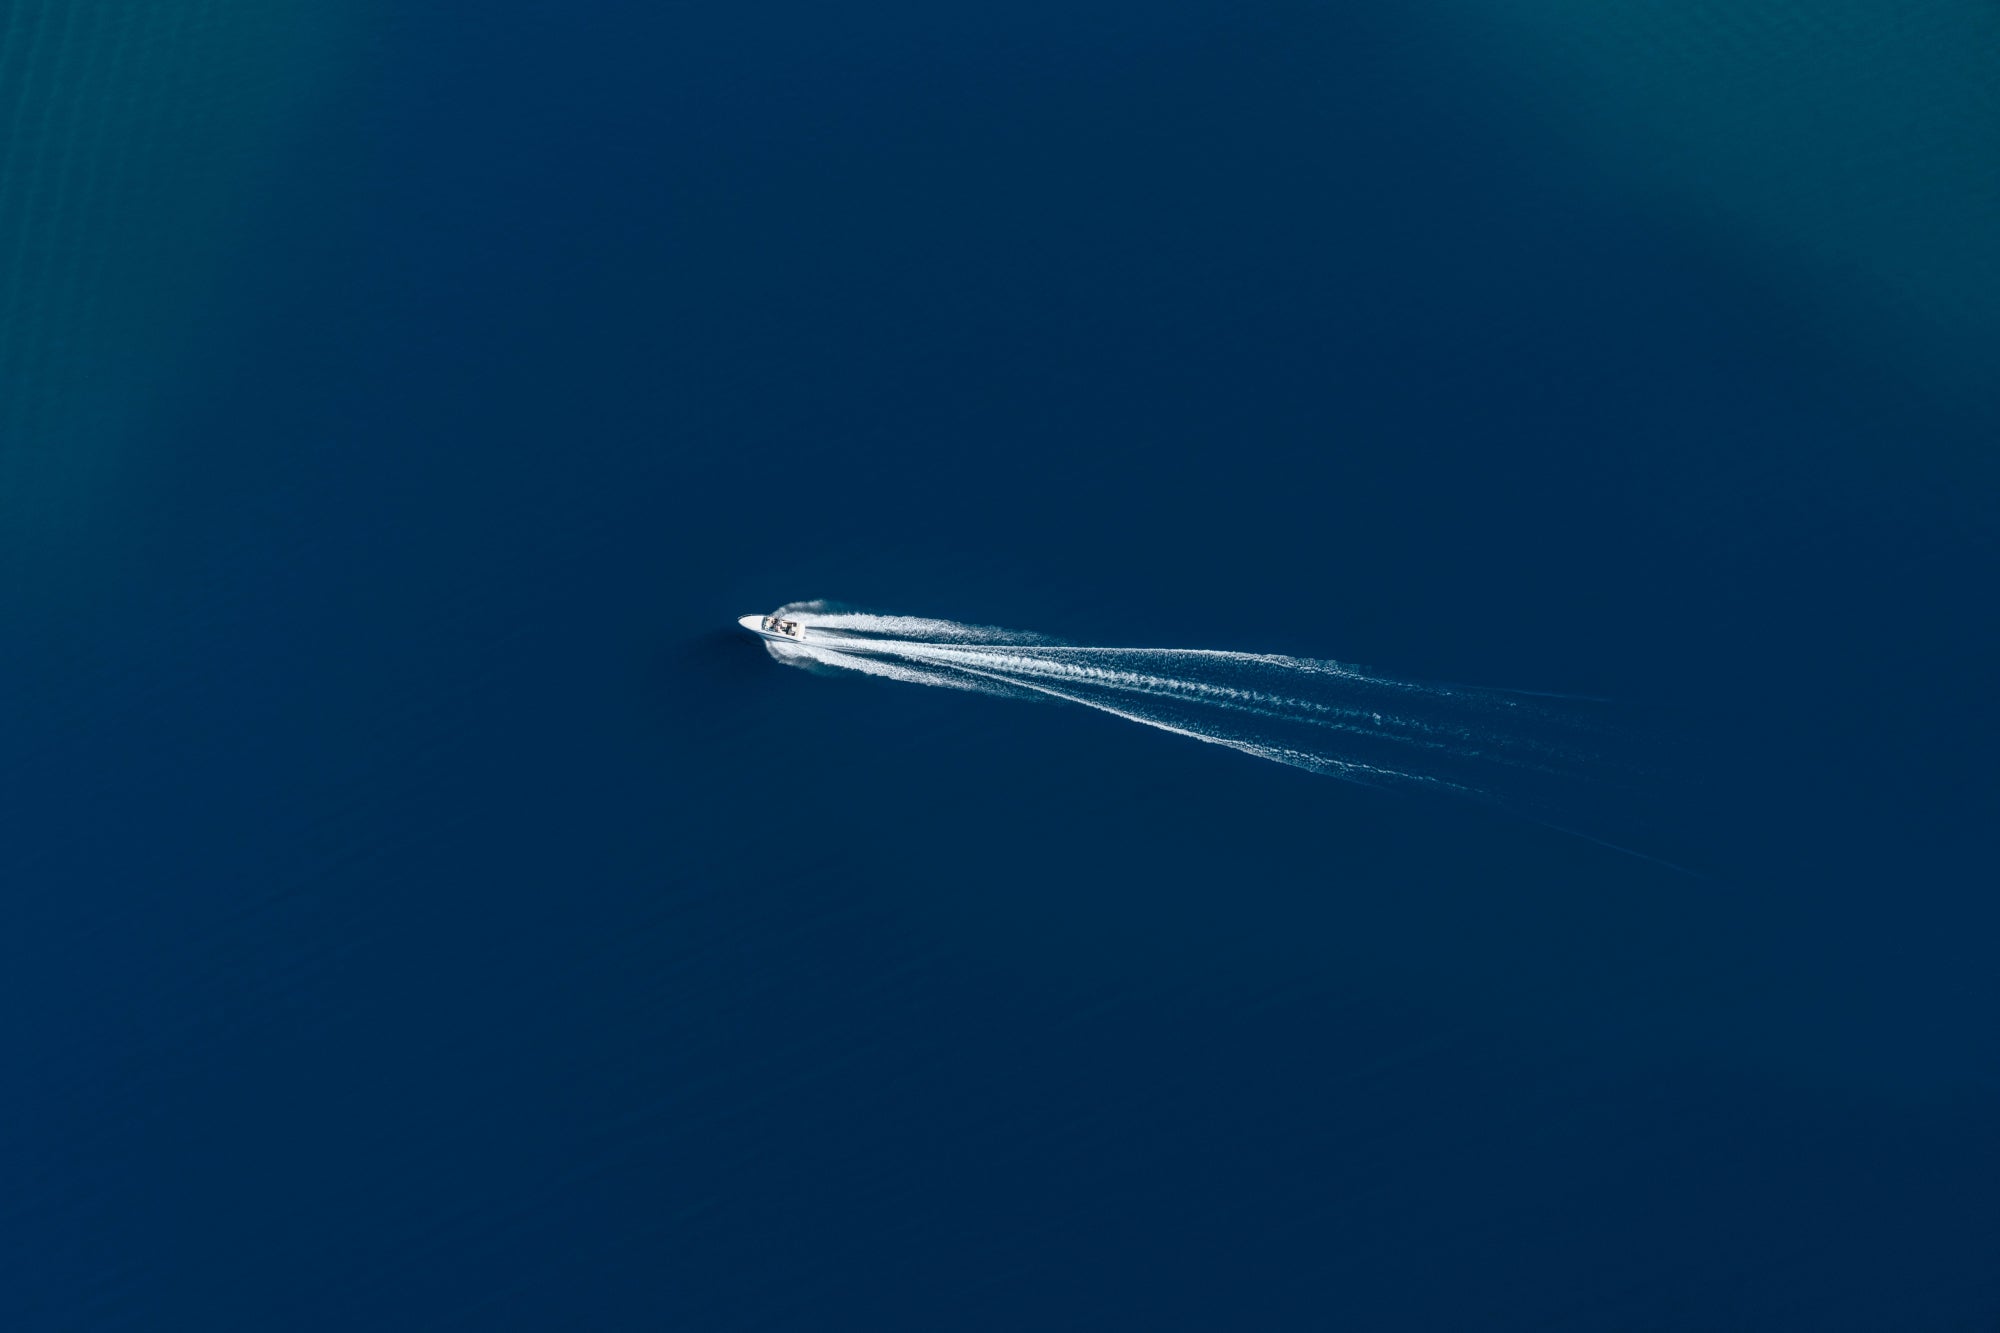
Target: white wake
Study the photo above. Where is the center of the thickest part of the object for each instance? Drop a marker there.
(1551, 758)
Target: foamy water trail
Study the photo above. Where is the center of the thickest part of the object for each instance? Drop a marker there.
(1551, 758)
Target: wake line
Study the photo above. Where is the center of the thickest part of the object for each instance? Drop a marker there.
(1296, 758)
(1552, 758)
(1170, 687)
(1254, 702)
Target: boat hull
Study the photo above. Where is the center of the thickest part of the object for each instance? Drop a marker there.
(755, 624)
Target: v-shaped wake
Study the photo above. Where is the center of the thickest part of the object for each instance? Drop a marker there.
(1547, 757)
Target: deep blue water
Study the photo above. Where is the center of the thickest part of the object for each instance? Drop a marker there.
(423, 908)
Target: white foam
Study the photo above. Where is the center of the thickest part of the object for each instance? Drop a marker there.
(1531, 753)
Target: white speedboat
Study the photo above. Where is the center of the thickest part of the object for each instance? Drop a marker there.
(770, 627)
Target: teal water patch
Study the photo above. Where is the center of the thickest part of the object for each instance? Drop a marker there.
(134, 142)
(1846, 148)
